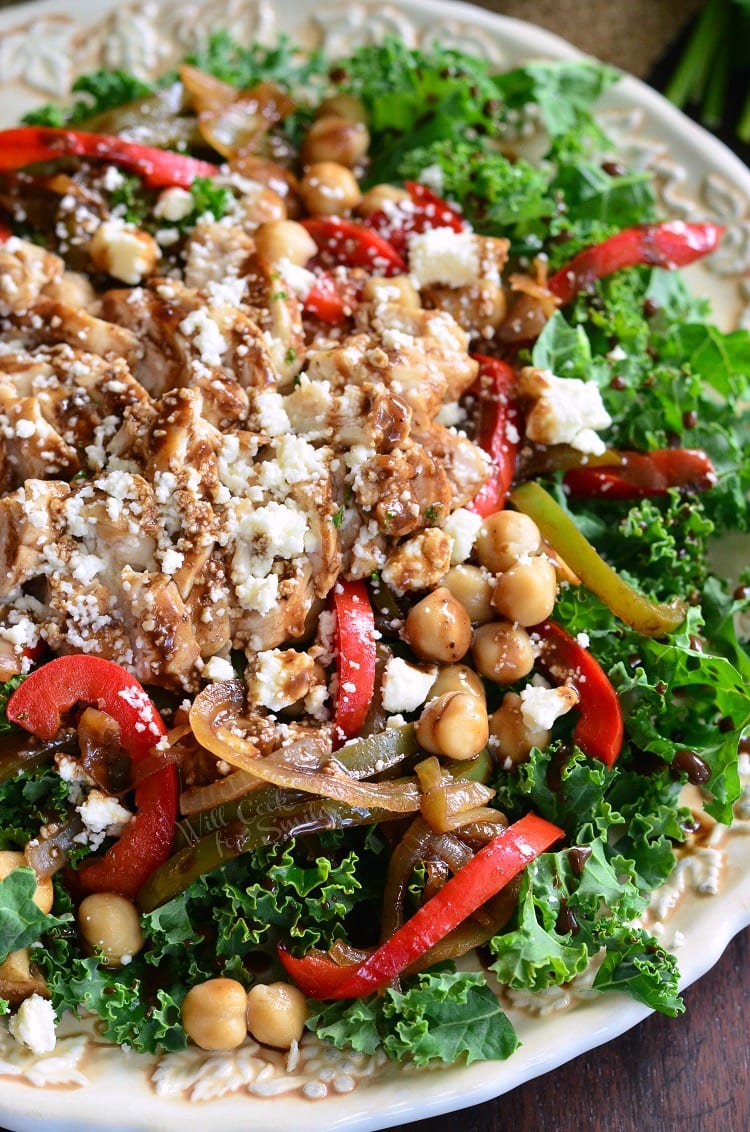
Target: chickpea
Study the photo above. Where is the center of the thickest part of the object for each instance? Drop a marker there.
(276, 1014)
(454, 725)
(396, 289)
(378, 196)
(512, 739)
(502, 652)
(214, 1014)
(285, 239)
(457, 678)
(343, 106)
(476, 305)
(328, 189)
(334, 138)
(44, 895)
(111, 924)
(438, 627)
(527, 592)
(471, 586)
(504, 538)
(260, 207)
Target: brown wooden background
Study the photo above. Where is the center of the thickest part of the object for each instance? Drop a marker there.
(689, 1074)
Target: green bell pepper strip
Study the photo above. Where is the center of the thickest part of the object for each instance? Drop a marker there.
(262, 826)
(649, 618)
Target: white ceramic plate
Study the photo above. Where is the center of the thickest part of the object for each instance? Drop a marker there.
(42, 46)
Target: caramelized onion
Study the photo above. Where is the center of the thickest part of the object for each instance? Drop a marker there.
(236, 785)
(48, 852)
(238, 126)
(216, 717)
(206, 91)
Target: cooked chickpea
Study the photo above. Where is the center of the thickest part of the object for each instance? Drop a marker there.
(44, 894)
(328, 189)
(504, 538)
(396, 289)
(475, 305)
(110, 923)
(454, 725)
(457, 678)
(472, 587)
(333, 138)
(214, 1014)
(438, 627)
(512, 738)
(502, 652)
(343, 106)
(527, 592)
(261, 207)
(276, 1014)
(285, 239)
(379, 196)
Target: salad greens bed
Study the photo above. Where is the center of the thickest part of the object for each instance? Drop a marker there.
(667, 377)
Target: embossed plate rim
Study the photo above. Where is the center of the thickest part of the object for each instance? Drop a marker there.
(119, 1098)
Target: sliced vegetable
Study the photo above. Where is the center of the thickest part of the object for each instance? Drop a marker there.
(651, 619)
(599, 729)
(158, 168)
(640, 474)
(256, 825)
(494, 866)
(344, 242)
(498, 433)
(355, 657)
(216, 721)
(669, 245)
(422, 213)
(38, 705)
(332, 299)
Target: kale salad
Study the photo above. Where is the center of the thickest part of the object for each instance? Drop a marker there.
(364, 457)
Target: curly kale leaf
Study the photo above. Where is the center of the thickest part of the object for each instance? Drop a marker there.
(440, 1016)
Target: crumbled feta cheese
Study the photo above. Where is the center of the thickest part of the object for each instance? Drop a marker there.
(444, 256)
(259, 594)
(405, 687)
(171, 561)
(25, 429)
(566, 410)
(201, 329)
(278, 678)
(33, 1024)
(540, 707)
(272, 417)
(123, 251)
(174, 204)
(217, 668)
(462, 526)
(103, 817)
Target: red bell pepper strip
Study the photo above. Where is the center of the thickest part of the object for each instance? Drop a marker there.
(355, 658)
(499, 434)
(481, 878)
(5, 232)
(669, 245)
(342, 242)
(642, 474)
(157, 168)
(332, 299)
(38, 705)
(422, 213)
(599, 729)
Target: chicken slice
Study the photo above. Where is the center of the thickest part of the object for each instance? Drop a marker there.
(29, 523)
(25, 270)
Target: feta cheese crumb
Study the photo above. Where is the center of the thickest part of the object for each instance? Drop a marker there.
(405, 687)
(444, 256)
(217, 668)
(463, 527)
(33, 1025)
(540, 707)
(566, 410)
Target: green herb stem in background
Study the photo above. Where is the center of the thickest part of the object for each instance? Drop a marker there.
(717, 53)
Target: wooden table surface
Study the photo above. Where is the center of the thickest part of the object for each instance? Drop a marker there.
(686, 1074)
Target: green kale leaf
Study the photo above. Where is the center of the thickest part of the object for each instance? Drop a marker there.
(441, 1016)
